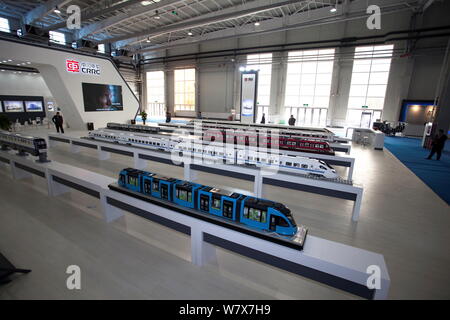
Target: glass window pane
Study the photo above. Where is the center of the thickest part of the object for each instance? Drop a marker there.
(376, 91)
(360, 78)
(379, 78)
(358, 90)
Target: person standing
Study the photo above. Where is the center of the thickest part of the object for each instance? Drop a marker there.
(292, 120)
(263, 119)
(438, 144)
(58, 121)
(168, 117)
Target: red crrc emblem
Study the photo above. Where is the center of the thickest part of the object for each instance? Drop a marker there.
(73, 66)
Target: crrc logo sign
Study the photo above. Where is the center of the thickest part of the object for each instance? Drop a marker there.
(73, 66)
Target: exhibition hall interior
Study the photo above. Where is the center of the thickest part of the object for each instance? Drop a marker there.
(224, 150)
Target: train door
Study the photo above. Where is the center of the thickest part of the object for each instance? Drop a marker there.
(147, 186)
(164, 191)
(228, 209)
(122, 180)
(204, 202)
(273, 223)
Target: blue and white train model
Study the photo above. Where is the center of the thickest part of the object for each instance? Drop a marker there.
(261, 214)
(216, 151)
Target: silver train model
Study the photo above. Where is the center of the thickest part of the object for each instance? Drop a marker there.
(217, 151)
(24, 144)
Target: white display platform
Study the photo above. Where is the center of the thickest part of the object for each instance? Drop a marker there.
(374, 138)
(337, 265)
(286, 180)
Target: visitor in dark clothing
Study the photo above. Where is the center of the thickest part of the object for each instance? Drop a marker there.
(291, 120)
(168, 117)
(58, 121)
(438, 144)
(263, 119)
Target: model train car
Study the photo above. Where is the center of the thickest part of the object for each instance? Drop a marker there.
(132, 127)
(253, 212)
(247, 156)
(24, 144)
(301, 141)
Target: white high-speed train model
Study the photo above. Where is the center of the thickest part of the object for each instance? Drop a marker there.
(217, 151)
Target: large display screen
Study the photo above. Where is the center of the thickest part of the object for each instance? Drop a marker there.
(102, 97)
(13, 106)
(34, 106)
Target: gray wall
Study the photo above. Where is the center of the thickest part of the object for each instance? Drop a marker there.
(412, 76)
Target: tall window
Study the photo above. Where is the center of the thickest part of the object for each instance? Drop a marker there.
(156, 100)
(308, 85)
(4, 25)
(101, 48)
(369, 82)
(57, 37)
(263, 63)
(185, 89)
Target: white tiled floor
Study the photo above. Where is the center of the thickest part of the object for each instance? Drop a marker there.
(400, 217)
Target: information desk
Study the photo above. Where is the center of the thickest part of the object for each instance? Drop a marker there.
(334, 264)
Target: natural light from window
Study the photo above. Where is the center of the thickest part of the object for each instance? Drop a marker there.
(185, 89)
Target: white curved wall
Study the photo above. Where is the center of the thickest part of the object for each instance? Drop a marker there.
(66, 87)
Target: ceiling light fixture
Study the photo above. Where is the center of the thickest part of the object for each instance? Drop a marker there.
(257, 23)
(57, 10)
(157, 17)
(146, 3)
(9, 60)
(190, 33)
(333, 10)
(148, 40)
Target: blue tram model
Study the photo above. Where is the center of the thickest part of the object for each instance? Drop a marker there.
(253, 212)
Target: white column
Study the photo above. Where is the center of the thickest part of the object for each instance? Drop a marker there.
(74, 148)
(357, 206)
(257, 186)
(19, 174)
(103, 155)
(201, 252)
(55, 188)
(110, 213)
(139, 163)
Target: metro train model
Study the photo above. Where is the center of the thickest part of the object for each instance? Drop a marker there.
(32, 145)
(219, 152)
(301, 141)
(261, 214)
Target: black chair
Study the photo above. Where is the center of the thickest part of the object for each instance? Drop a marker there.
(7, 269)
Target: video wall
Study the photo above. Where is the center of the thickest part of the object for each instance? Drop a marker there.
(22, 108)
(102, 97)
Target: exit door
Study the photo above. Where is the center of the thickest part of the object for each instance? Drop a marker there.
(366, 118)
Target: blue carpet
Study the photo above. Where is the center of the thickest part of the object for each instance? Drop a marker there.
(435, 174)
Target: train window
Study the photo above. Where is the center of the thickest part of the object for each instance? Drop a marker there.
(122, 179)
(282, 222)
(133, 181)
(155, 186)
(254, 214)
(321, 146)
(296, 165)
(306, 144)
(304, 166)
(263, 216)
(246, 212)
(216, 203)
(289, 164)
(322, 167)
